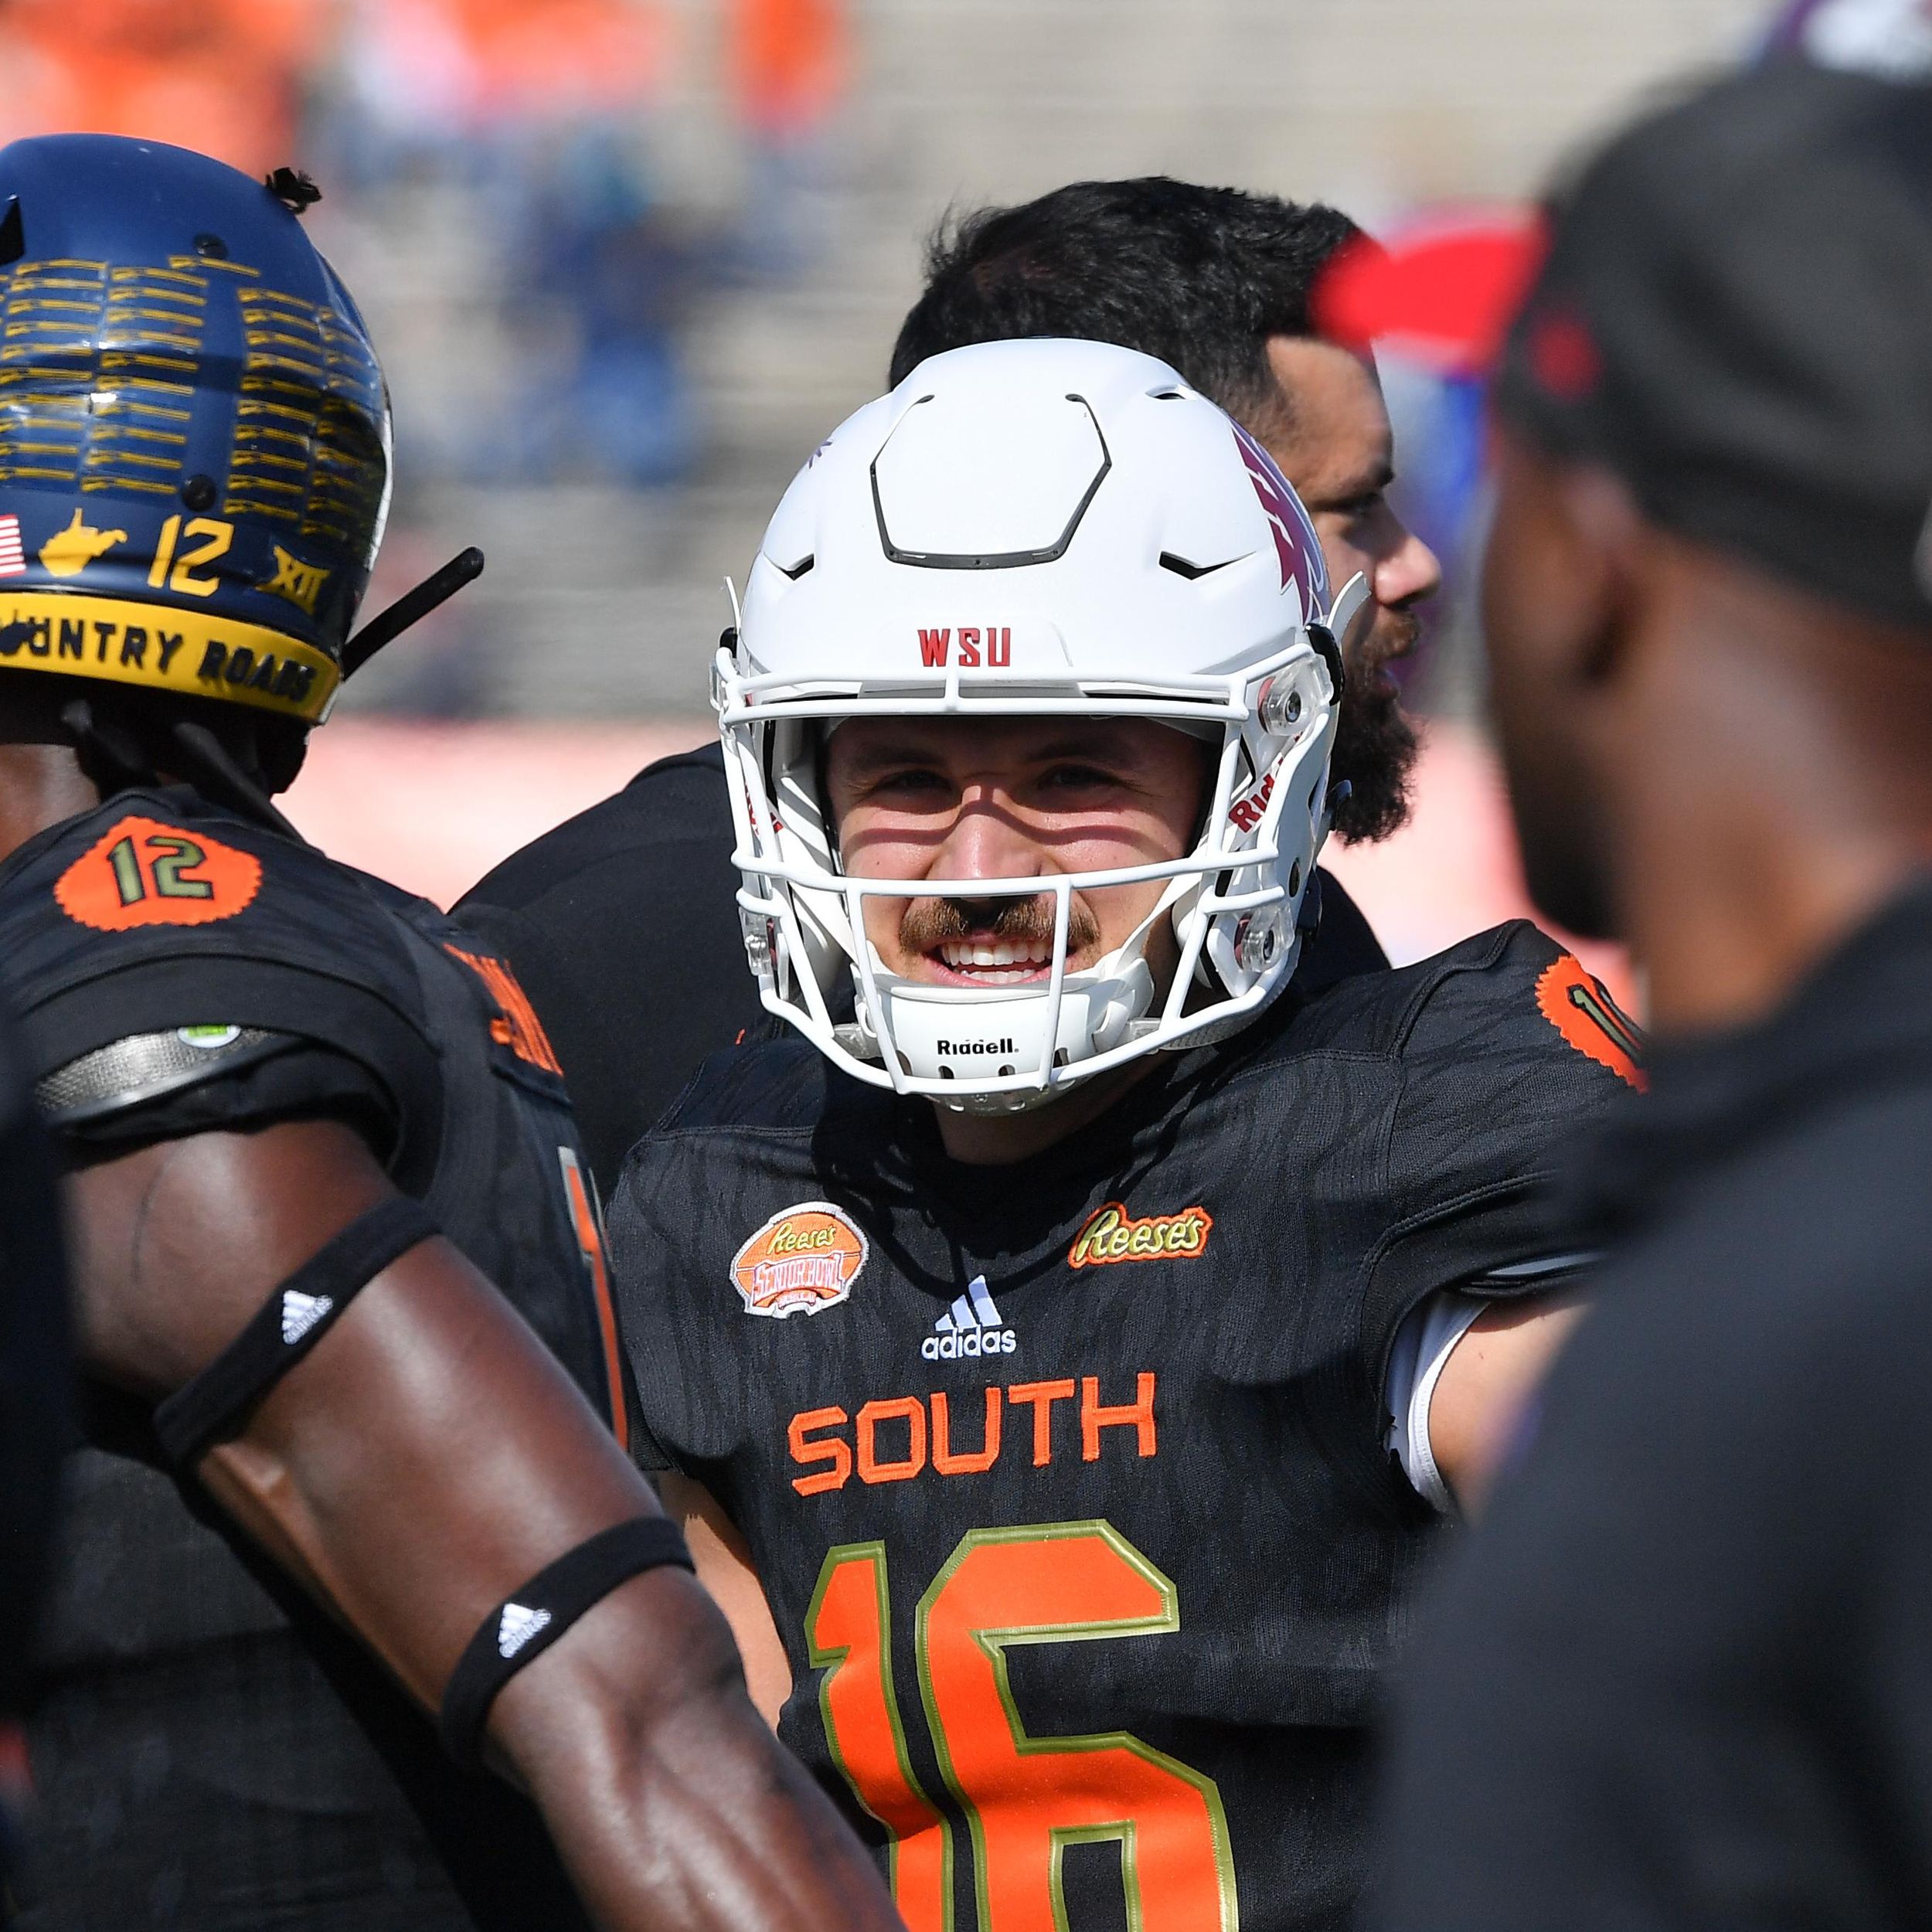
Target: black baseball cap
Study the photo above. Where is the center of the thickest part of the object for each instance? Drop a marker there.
(1735, 315)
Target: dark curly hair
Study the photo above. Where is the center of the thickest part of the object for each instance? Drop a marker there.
(1199, 277)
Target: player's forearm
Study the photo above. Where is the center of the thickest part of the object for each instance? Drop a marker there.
(680, 1813)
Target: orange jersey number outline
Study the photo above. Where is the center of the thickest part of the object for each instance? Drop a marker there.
(516, 1025)
(1025, 1799)
(584, 1218)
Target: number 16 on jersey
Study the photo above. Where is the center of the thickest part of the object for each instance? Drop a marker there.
(1024, 1799)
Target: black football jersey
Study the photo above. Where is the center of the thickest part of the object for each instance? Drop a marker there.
(34, 1393)
(213, 1751)
(1067, 1481)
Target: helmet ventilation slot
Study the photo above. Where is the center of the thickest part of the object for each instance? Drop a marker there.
(1182, 568)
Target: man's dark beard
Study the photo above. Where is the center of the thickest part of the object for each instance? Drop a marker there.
(1375, 748)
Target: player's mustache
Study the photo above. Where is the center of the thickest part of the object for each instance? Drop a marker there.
(928, 922)
(1384, 644)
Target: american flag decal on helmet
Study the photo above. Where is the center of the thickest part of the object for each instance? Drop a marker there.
(1295, 542)
(13, 563)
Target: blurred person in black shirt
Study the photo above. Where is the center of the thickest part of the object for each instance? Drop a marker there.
(622, 923)
(34, 1392)
(1684, 1677)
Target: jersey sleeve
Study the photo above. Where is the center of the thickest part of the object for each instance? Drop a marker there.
(179, 970)
(1505, 1058)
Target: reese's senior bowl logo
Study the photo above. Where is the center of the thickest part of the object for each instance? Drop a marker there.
(804, 1259)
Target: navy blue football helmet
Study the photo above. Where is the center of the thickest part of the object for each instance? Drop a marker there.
(194, 429)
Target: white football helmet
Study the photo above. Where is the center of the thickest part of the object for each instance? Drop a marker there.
(1034, 527)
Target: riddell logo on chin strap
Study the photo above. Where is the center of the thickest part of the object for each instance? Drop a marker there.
(962, 1049)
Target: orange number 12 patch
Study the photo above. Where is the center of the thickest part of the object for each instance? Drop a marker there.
(142, 873)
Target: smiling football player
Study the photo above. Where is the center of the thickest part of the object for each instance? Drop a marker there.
(1062, 1366)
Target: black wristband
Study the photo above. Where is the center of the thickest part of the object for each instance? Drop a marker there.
(216, 1403)
(527, 1624)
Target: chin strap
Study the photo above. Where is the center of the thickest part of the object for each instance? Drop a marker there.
(411, 608)
(219, 776)
(111, 757)
(116, 761)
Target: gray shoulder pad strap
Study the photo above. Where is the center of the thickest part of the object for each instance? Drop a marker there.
(129, 1073)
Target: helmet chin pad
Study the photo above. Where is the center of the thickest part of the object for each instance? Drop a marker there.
(969, 1033)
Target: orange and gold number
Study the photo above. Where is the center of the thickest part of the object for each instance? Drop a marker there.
(1025, 1798)
(580, 1196)
(848, 1628)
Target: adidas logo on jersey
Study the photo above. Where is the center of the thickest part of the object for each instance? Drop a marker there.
(300, 1312)
(518, 1626)
(971, 1326)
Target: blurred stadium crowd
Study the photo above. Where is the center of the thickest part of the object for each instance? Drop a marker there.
(626, 259)
(508, 176)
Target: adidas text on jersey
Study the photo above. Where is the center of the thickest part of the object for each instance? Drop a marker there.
(971, 1326)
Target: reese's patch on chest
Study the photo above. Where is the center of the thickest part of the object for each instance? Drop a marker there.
(142, 871)
(1111, 1234)
(803, 1260)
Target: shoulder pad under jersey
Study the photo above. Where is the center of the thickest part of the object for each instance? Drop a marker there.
(1511, 991)
(1504, 1047)
(146, 1067)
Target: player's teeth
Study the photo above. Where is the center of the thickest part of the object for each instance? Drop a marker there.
(962, 953)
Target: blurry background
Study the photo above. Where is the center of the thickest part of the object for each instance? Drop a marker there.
(628, 260)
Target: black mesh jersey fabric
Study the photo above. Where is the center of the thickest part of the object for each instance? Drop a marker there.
(1096, 1441)
(194, 1702)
